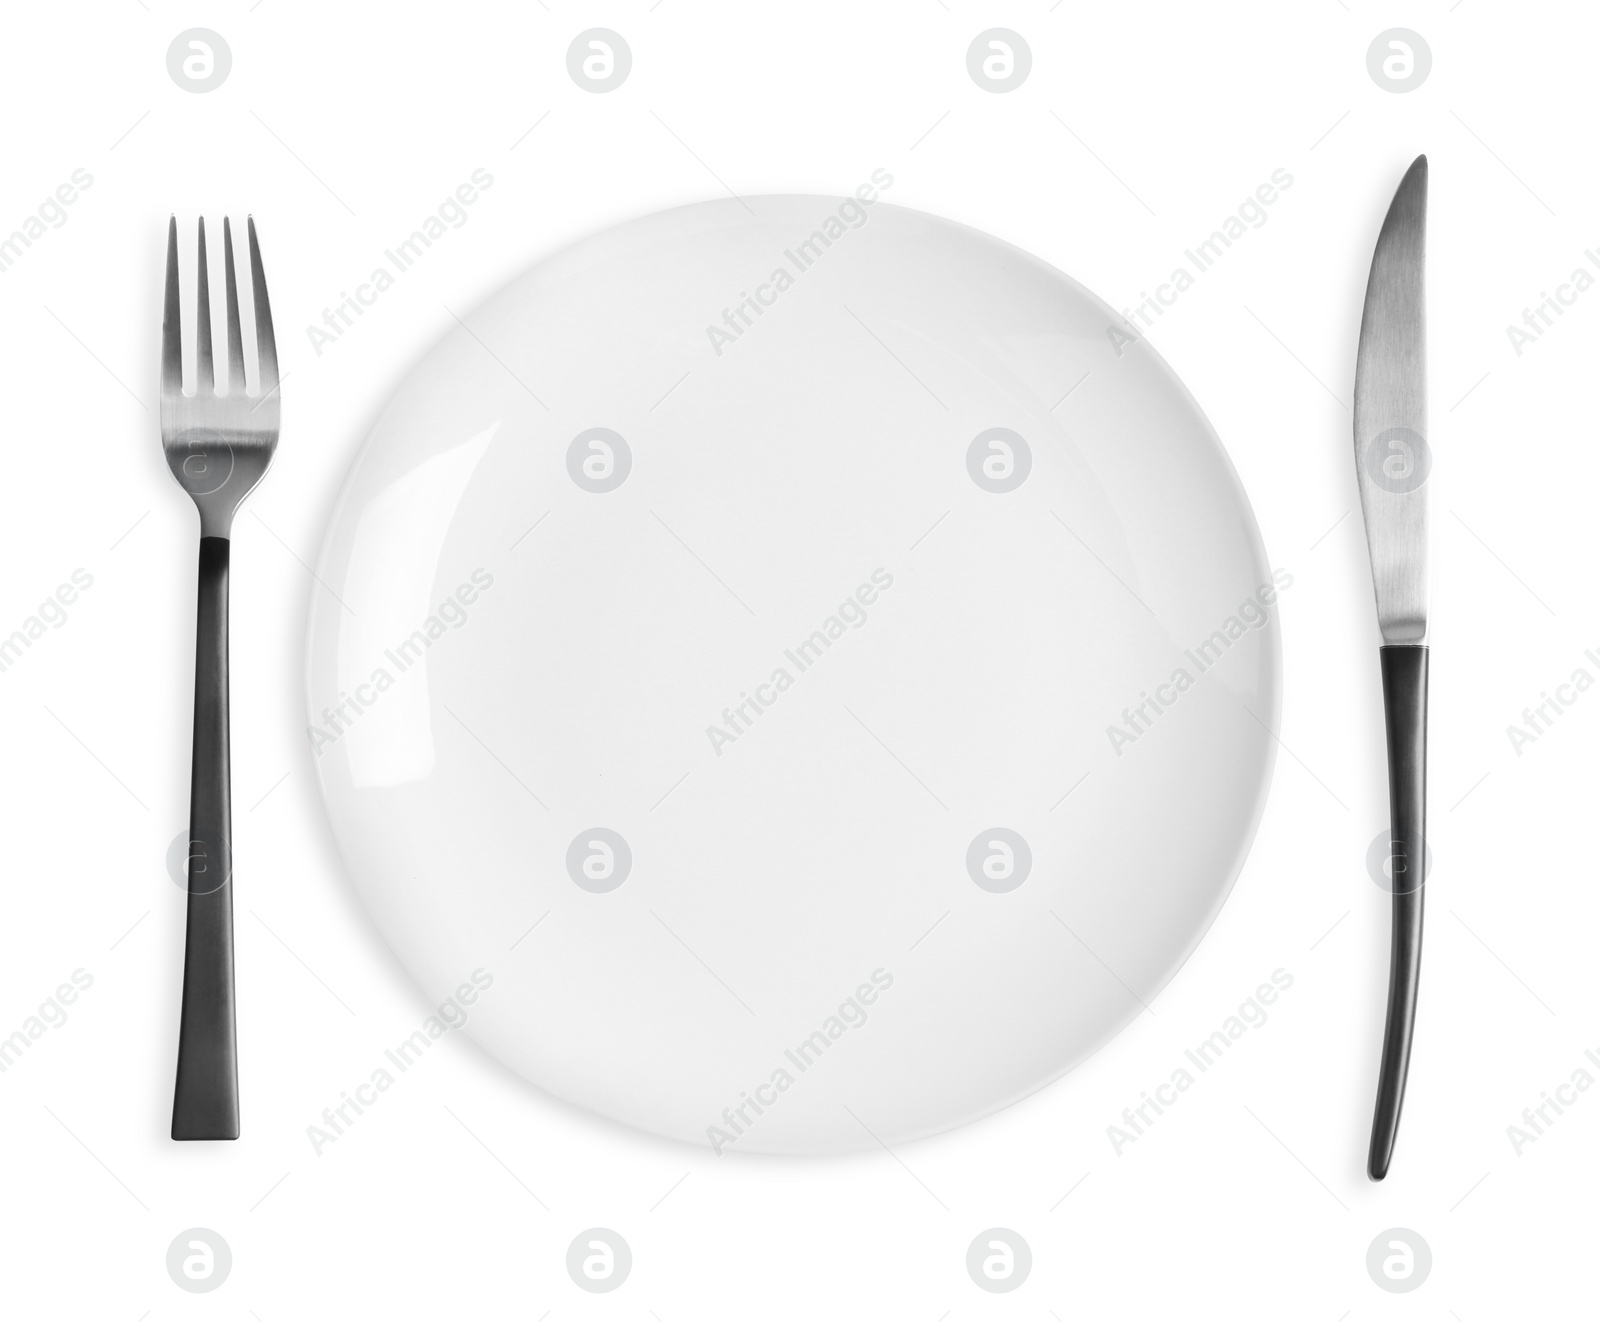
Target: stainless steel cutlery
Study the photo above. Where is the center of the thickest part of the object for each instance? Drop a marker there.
(1393, 464)
(218, 446)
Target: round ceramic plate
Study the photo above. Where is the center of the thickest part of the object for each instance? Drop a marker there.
(799, 668)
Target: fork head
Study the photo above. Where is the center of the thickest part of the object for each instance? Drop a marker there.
(218, 446)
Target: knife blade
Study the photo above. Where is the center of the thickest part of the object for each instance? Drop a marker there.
(1393, 465)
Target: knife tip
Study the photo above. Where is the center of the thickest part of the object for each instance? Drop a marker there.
(1412, 191)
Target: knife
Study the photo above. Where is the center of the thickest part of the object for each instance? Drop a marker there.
(1393, 463)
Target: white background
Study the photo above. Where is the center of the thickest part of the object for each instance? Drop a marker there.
(1138, 131)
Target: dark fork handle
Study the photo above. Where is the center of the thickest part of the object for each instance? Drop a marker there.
(206, 1103)
(1405, 711)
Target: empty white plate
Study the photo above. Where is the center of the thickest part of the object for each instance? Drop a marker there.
(812, 671)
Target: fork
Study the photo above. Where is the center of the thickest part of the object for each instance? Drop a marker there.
(218, 447)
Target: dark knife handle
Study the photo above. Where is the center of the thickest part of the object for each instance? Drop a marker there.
(206, 1101)
(1405, 713)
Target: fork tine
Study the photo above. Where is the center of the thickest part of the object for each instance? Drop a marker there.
(235, 340)
(205, 378)
(171, 324)
(266, 346)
